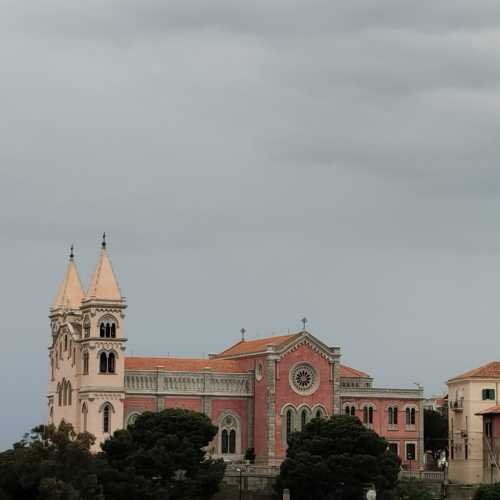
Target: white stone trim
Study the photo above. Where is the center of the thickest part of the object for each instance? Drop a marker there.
(236, 427)
(319, 406)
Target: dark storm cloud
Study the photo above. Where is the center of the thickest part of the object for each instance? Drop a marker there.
(254, 162)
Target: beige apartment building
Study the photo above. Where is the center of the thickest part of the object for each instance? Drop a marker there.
(470, 394)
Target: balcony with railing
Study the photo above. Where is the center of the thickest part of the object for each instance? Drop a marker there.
(457, 405)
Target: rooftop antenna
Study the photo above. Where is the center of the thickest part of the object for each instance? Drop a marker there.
(243, 331)
(304, 323)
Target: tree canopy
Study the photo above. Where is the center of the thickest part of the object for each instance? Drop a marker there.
(162, 456)
(336, 458)
(50, 463)
(435, 432)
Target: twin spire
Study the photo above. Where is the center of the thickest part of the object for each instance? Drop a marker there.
(103, 285)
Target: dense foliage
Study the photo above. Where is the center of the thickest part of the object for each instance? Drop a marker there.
(408, 489)
(160, 457)
(336, 458)
(435, 432)
(50, 463)
(488, 492)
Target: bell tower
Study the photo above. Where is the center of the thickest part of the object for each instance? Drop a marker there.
(65, 323)
(102, 390)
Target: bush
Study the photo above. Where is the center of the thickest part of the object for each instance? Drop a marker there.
(408, 489)
(488, 492)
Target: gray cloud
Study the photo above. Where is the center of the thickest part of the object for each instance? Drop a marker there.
(253, 163)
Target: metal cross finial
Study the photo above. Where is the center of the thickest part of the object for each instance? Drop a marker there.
(103, 240)
(304, 323)
(243, 331)
(71, 254)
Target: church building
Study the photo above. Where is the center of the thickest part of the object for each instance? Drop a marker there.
(257, 391)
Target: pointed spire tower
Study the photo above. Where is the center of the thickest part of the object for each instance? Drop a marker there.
(103, 350)
(104, 285)
(70, 294)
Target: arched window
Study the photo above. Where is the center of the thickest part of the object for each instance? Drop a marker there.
(65, 393)
(86, 363)
(111, 362)
(229, 428)
(108, 330)
(393, 415)
(303, 419)
(106, 419)
(113, 330)
(85, 412)
(103, 363)
(225, 441)
(131, 419)
(410, 416)
(319, 413)
(102, 332)
(65, 342)
(232, 441)
(350, 410)
(69, 389)
(368, 415)
(59, 394)
(288, 424)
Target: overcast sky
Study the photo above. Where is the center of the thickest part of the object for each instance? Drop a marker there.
(252, 163)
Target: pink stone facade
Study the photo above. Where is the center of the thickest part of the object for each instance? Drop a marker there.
(257, 392)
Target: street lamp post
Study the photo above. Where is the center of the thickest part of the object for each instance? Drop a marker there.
(240, 470)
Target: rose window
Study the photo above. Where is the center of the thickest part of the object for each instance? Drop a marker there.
(304, 379)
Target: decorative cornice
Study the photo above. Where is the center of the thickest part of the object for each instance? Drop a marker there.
(330, 354)
(189, 383)
(381, 393)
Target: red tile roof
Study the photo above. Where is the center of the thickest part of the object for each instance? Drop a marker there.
(489, 370)
(490, 411)
(257, 345)
(183, 364)
(347, 371)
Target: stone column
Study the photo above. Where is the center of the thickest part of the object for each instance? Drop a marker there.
(250, 421)
(206, 401)
(271, 404)
(336, 387)
(160, 403)
(421, 428)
